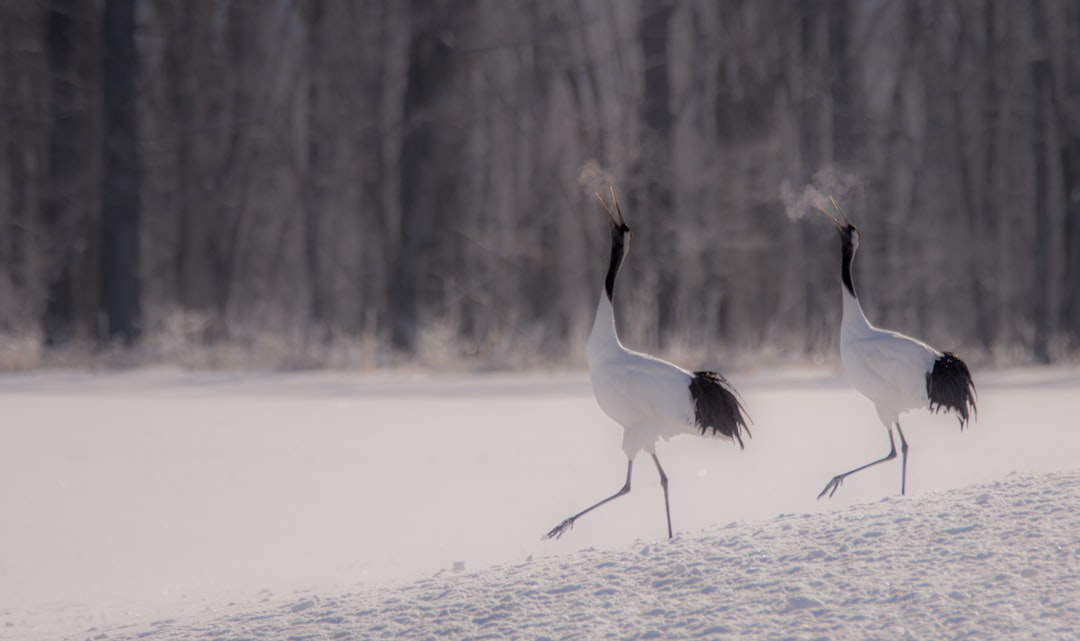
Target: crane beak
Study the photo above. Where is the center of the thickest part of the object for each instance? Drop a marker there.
(838, 219)
(615, 224)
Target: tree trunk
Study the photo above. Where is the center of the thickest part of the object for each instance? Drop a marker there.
(1071, 303)
(657, 159)
(1040, 102)
(314, 178)
(26, 90)
(965, 170)
(845, 125)
(64, 213)
(120, 193)
(427, 185)
(1070, 164)
(808, 86)
(191, 252)
(991, 126)
(231, 226)
(375, 185)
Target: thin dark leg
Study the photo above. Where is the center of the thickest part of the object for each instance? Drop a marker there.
(663, 484)
(903, 450)
(838, 480)
(561, 528)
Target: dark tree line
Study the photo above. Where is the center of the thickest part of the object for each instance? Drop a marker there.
(70, 212)
(415, 178)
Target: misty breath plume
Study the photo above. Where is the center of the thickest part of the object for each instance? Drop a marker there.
(825, 183)
(594, 179)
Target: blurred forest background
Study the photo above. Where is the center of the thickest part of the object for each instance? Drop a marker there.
(297, 183)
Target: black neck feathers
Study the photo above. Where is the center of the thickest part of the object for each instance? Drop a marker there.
(618, 251)
(848, 256)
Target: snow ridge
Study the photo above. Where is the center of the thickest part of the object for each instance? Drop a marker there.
(991, 561)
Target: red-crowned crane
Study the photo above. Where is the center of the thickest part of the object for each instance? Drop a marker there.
(897, 373)
(652, 399)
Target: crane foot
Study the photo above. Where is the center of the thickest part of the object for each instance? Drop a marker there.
(559, 529)
(832, 486)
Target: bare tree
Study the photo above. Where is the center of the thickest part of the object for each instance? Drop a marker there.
(120, 285)
(181, 64)
(24, 143)
(656, 160)
(66, 219)
(1068, 113)
(315, 170)
(429, 149)
(368, 168)
(1040, 103)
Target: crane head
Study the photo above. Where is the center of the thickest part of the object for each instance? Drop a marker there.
(848, 232)
(620, 232)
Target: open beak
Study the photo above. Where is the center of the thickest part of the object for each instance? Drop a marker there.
(838, 219)
(615, 224)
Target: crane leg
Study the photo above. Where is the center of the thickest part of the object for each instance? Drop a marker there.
(903, 451)
(568, 523)
(838, 480)
(663, 484)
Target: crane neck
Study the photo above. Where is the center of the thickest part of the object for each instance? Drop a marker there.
(848, 256)
(618, 251)
(853, 319)
(604, 338)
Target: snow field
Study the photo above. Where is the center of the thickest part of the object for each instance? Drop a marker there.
(154, 494)
(991, 561)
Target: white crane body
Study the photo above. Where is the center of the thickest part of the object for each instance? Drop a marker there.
(651, 399)
(896, 372)
(884, 366)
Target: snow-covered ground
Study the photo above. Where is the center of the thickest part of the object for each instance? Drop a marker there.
(180, 505)
(993, 561)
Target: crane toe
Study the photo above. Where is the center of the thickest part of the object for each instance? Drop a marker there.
(832, 486)
(559, 529)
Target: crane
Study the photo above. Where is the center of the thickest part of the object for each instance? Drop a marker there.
(650, 398)
(896, 372)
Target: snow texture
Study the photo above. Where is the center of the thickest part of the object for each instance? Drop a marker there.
(162, 505)
(999, 560)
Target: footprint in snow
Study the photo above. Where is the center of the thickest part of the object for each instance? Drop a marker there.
(800, 603)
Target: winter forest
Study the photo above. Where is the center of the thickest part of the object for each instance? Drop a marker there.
(296, 183)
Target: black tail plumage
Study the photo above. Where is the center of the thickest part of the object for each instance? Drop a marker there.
(716, 406)
(950, 387)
